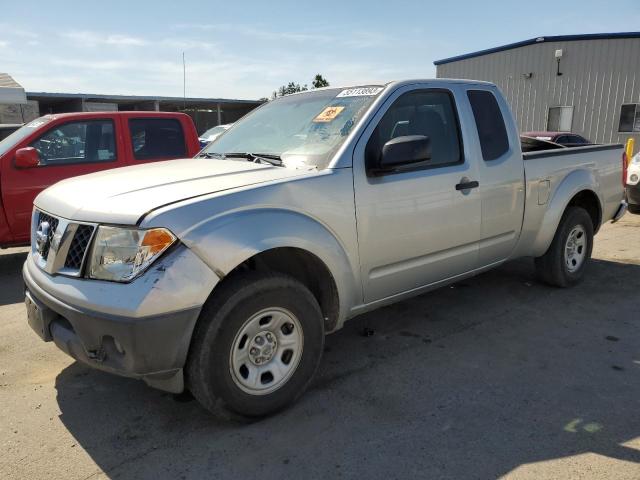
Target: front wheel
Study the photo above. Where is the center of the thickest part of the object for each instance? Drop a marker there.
(257, 344)
(564, 262)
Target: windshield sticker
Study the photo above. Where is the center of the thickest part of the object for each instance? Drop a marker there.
(328, 114)
(360, 92)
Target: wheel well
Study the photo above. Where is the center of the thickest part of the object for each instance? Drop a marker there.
(305, 267)
(589, 201)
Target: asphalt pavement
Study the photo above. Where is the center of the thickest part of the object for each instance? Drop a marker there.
(497, 376)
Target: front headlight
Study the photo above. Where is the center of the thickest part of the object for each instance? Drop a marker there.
(636, 159)
(121, 254)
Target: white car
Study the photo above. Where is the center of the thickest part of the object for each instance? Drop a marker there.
(210, 135)
(633, 184)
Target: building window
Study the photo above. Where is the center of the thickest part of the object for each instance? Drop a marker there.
(560, 119)
(630, 118)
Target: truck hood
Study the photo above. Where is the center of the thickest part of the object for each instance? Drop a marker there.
(123, 195)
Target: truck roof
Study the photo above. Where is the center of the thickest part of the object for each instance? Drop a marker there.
(400, 83)
(141, 113)
(444, 81)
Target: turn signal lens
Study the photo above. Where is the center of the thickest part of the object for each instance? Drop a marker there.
(157, 240)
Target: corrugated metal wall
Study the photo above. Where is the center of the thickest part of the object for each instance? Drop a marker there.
(598, 76)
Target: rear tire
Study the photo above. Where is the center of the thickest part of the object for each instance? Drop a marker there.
(257, 345)
(564, 263)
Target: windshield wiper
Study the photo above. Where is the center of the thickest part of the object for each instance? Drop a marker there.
(269, 158)
(210, 155)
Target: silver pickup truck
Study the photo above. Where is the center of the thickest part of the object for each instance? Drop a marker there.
(223, 273)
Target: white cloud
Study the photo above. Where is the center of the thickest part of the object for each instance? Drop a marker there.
(12, 30)
(186, 44)
(231, 61)
(4, 44)
(324, 36)
(91, 39)
(124, 40)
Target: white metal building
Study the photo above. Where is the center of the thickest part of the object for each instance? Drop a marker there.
(587, 84)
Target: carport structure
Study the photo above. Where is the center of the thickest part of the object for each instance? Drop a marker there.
(206, 112)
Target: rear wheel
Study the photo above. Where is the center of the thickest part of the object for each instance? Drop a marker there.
(564, 262)
(257, 345)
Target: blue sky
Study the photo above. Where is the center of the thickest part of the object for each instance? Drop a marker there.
(246, 49)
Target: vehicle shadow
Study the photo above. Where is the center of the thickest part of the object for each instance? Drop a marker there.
(473, 380)
(11, 284)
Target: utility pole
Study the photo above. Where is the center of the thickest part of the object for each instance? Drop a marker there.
(184, 83)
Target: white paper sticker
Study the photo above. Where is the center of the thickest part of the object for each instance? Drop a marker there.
(360, 92)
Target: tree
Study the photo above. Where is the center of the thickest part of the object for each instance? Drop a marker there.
(293, 87)
(319, 81)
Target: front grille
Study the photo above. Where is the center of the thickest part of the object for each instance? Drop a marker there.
(53, 225)
(78, 247)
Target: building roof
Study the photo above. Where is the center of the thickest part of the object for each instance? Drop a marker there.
(10, 90)
(7, 81)
(554, 38)
(134, 98)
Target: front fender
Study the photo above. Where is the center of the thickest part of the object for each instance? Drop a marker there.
(574, 183)
(224, 242)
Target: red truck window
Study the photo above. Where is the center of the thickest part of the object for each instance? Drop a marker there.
(154, 138)
(88, 141)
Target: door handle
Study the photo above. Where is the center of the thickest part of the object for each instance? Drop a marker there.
(466, 185)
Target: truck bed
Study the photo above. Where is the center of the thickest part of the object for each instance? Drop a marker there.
(548, 171)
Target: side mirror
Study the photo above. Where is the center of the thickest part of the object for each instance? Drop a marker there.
(405, 150)
(27, 157)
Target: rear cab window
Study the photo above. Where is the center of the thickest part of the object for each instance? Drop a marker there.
(492, 131)
(88, 141)
(153, 138)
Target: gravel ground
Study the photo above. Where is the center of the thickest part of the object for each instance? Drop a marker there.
(497, 376)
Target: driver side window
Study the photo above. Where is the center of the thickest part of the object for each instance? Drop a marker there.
(77, 142)
(421, 112)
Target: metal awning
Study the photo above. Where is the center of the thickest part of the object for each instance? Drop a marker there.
(11, 91)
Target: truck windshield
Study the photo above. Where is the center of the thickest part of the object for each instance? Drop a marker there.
(23, 132)
(304, 130)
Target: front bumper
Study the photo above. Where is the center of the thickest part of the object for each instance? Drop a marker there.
(125, 329)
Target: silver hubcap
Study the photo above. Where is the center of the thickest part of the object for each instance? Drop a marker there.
(576, 248)
(266, 351)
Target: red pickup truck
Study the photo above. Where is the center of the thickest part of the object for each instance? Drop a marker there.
(55, 147)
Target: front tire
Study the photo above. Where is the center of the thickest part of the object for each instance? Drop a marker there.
(257, 345)
(564, 263)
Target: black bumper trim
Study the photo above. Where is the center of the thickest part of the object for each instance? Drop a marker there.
(633, 194)
(153, 349)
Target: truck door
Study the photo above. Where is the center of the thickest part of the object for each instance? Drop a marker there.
(66, 150)
(152, 139)
(420, 224)
(501, 175)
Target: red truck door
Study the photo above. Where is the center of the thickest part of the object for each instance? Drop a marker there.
(153, 136)
(68, 147)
